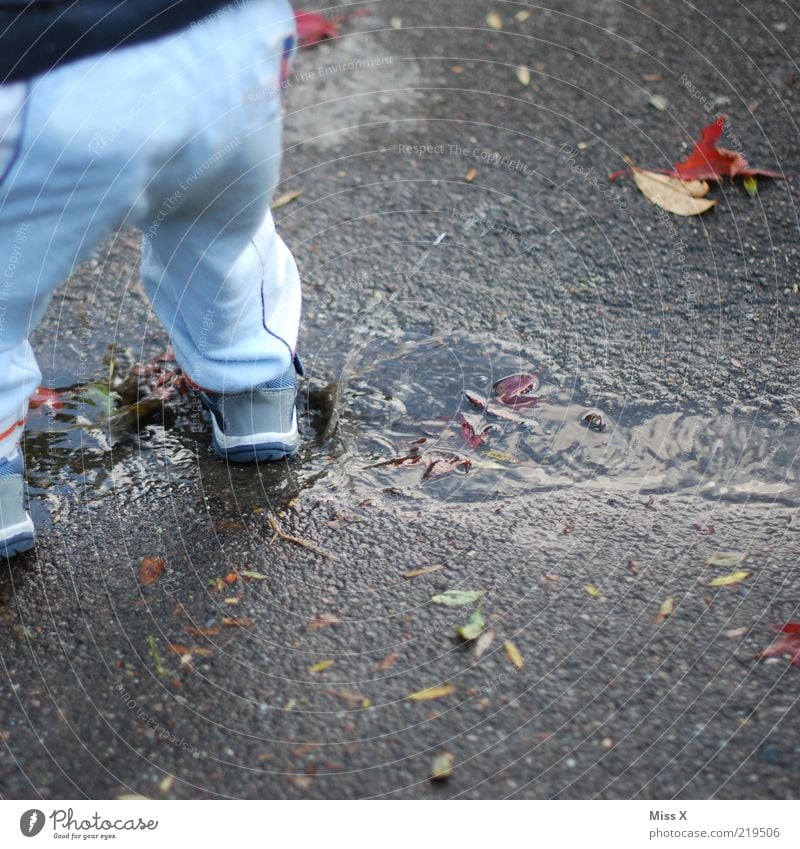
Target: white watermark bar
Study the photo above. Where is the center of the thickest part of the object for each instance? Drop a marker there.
(403, 824)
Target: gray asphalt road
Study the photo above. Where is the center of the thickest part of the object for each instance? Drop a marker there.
(455, 225)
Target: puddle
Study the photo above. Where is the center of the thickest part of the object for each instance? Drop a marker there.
(395, 424)
(401, 430)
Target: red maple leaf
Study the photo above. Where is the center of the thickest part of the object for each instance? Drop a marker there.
(709, 162)
(313, 27)
(789, 644)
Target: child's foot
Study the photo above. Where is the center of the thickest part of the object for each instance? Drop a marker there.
(16, 528)
(257, 425)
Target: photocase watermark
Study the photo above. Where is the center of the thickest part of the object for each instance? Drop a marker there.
(479, 154)
(569, 155)
(318, 73)
(709, 104)
(102, 140)
(161, 732)
(14, 259)
(66, 825)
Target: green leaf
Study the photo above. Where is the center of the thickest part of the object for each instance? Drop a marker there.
(725, 559)
(153, 645)
(458, 598)
(474, 627)
(750, 186)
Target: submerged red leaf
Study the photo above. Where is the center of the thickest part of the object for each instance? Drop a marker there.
(785, 645)
(709, 162)
(47, 397)
(313, 28)
(474, 430)
(517, 390)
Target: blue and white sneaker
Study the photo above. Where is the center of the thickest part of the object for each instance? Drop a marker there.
(16, 528)
(257, 425)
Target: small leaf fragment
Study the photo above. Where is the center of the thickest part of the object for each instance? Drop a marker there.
(388, 661)
(728, 580)
(320, 667)
(429, 693)
(153, 646)
(524, 75)
(725, 559)
(484, 642)
(286, 198)
(494, 20)
(666, 609)
(522, 15)
(442, 767)
(471, 174)
(592, 590)
(750, 186)
(150, 570)
(474, 627)
(425, 570)
(514, 654)
(324, 620)
(658, 101)
(458, 598)
(253, 576)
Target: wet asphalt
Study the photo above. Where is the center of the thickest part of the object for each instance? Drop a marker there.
(416, 123)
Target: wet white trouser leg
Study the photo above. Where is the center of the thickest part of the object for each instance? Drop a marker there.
(180, 137)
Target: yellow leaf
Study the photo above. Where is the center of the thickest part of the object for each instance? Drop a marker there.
(666, 609)
(438, 692)
(672, 194)
(592, 590)
(442, 767)
(514, 654)
(494, 20)
(425, 570)
(727, 580)
(286, 198)
(524, 75)
(321, 666)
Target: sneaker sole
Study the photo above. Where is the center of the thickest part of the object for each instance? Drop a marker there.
(260, 447)
(22, 537)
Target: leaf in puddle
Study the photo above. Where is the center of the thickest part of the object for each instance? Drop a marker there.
(592, 590)
(286, 198)
(474, 627)
(320, 667)
(474, 430)
(425, 570)
(673, 194)
(442, 767)
(788, 644)
(253, 576)
(150, 570)
(666, 609)
(516, 390)
(429, 693)
(483, 643)
(458, 598)
(514, 654)
(438, 465)
(728, 580)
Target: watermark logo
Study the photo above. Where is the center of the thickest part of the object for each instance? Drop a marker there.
(31, 822)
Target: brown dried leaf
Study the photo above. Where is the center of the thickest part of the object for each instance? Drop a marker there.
(150, 570)
(425, 570)
(680, 197)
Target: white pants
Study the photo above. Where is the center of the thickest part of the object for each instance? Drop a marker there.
(180, 137)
